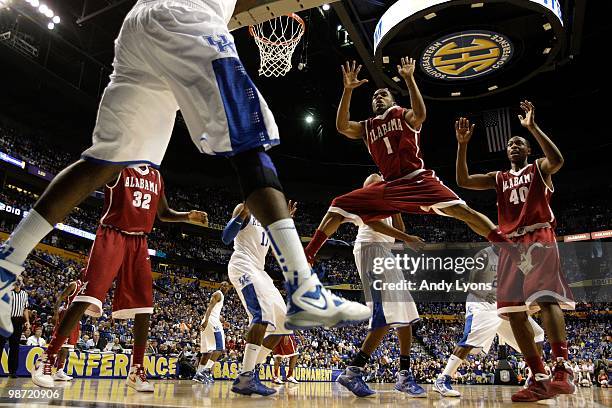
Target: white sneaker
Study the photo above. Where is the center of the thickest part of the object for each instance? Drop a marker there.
(292, 380)
(137, 379)
(278, 380)
(311, 305)
(41, 375)
(60, 375)
(8, 275)
(444, 387)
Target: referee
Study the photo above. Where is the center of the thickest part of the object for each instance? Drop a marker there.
(20, 317)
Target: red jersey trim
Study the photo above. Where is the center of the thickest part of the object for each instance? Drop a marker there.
(552, 190)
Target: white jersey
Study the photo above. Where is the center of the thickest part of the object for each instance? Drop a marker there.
(251, 246)
(367, 235)
(486, 275)
(221, 8)
(215, 314)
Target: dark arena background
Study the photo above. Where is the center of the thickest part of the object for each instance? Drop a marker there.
(474, 59)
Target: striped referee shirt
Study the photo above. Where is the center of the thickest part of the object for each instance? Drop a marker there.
(19, 302)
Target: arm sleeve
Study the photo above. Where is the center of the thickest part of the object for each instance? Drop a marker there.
(231, 230)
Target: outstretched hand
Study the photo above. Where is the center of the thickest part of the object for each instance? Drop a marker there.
(406, 69)
(198, 218)
(529, 119)
(414, 243)
(292, 207)
(350, 74)
(464, 130)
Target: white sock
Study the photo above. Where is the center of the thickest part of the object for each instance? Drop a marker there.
(30, 231)
(452, 366)
(250, 357)
(288, 250)
(263, 354)
(209, 365)
(201, 368)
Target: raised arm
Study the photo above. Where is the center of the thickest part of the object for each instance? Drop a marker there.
(234, 225)
(552, 160)
(214, 299)
(464, 131)
(167, 214)
(347, 127)
(398, 222)
(417, 114)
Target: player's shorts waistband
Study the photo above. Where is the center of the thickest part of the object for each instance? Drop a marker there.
(190, 3)
(530, 228)
(136, 234)
(412, 174)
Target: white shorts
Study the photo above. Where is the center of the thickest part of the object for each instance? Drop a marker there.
(174, 55)
(260, 298)
(482, 323)
(394, 308)
(212, 338)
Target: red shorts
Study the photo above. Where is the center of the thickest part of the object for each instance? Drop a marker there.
(287, 347)
(73, 337)
(517, 292)
(115, 255)
(419, 193)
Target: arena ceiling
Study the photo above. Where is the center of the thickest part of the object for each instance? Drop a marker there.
(61, 87)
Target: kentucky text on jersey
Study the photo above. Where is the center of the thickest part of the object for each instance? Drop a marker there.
(517, 181)
(381, 130)
(137, 182)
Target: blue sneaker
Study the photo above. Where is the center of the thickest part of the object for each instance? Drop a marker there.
(8, 275)
(311, 305)
(406, 383)
(443, 386)
(208, 375)
(199, 377)
(248, 384)
(352, 380)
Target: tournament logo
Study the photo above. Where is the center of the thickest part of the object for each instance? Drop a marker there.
(466, 55)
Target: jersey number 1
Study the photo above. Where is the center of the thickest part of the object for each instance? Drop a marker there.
(264, 239)
(388, 144)
(142, 201)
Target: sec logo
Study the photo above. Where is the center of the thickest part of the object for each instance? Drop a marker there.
(466, 55)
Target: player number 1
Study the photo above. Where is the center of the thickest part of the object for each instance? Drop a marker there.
(519, 193)
(388, 144)
(142, 201)
(264, 239)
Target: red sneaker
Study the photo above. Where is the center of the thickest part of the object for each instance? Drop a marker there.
(563, 379)
(537, 391)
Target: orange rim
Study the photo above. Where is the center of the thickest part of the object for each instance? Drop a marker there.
(293, 40)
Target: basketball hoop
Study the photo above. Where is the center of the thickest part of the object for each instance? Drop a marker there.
(277, 39)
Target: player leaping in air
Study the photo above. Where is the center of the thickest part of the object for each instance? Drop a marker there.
(393, 140)
(525, 216)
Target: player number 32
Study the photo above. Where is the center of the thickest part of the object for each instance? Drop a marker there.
(141, 200)
(519, 194)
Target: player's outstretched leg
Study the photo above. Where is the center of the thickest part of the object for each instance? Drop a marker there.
(405, 378)
(554, 324)
(443, 382)
(309, 303)
(137, 376)
(247, 382)
(71, 186)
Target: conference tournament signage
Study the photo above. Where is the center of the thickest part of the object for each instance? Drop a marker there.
(93, 365)
(466, 55)
(229, 371)
(468, 48)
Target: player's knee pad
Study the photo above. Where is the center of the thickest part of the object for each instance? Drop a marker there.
(255, 171)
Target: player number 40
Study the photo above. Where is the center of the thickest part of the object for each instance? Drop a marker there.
(141, 200)
(519, 194)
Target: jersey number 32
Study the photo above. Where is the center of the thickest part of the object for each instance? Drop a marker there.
(142, 200)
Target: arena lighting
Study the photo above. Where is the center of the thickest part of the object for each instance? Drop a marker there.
(430, 16)
(477, 5)
(326, 7)
(56, 20)
(309, 119)
(50, 26)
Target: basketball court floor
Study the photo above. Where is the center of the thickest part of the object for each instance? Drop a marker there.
(173, 393)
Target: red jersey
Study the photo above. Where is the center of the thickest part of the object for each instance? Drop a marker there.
(523, 199)
(130, 204)
(393, 144)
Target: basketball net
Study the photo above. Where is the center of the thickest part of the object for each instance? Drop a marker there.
(277, 39)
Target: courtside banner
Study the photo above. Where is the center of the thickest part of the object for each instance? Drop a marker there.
(229, 371)
(93, 365)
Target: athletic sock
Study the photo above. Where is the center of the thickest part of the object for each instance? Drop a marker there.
(209, 364)
(535, 364)
(59, 363)
(201, 368)
(55, 344)
(317, 241)
(264, 352)
(452, 365)
(404, 363)
(250, 357)
(288, 251)
(30, 231)
(138, 354)
(360, 359)
(559, 350)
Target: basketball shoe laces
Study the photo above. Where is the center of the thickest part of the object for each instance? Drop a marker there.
(560, 372)
(48, 364)
(140, 372)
